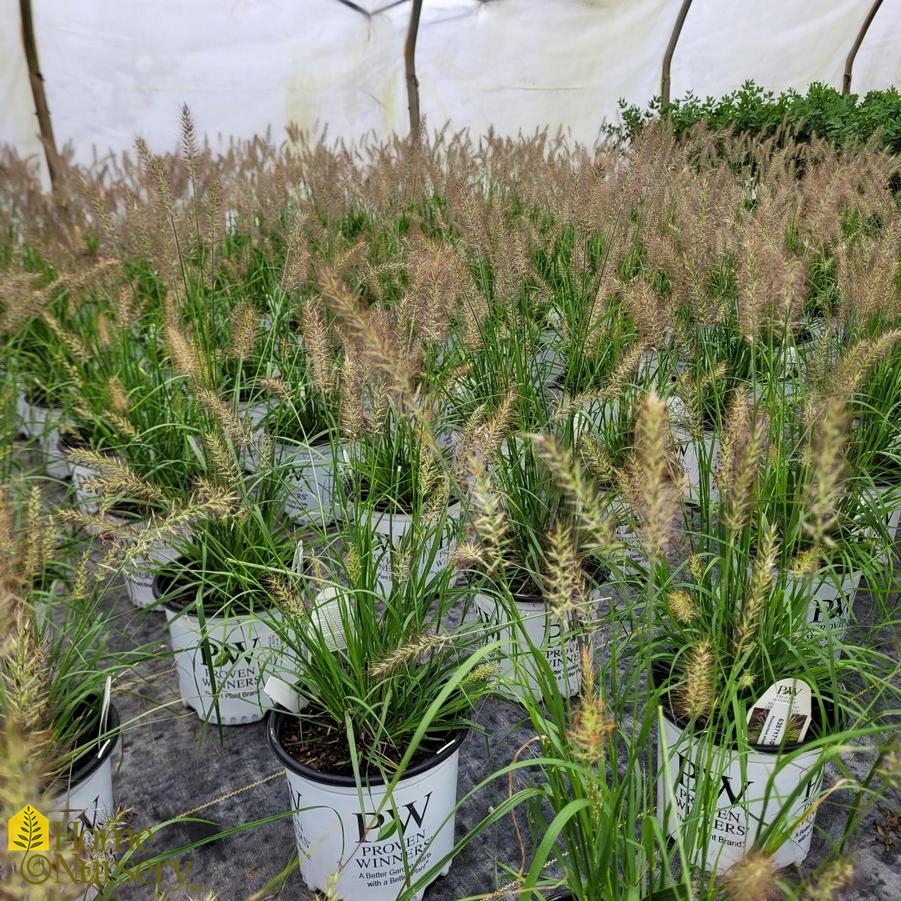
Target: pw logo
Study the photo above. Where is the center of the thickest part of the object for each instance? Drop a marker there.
(29, 831)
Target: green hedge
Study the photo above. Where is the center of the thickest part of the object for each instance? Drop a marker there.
(821, 112)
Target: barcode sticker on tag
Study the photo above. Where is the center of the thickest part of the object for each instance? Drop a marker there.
(328, 618)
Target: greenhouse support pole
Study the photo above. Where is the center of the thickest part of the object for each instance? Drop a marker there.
(410, 69)
(37, 91)
(668, 56)
(849, 62)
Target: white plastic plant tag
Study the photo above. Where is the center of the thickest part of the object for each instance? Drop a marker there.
(327, 620)
(104, 713)
(297, 562)
(782, 714)
(284, 695)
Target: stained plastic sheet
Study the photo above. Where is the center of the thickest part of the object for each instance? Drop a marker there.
(117, 69)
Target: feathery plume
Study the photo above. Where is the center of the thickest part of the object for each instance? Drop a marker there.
(682, 606)
(761, 584)
(118, 395)
(752, 878)
(826, 472)
(114, 478)
(276, 386)
(285, 593)
(592, 724)
(564, 584)
(25, 676)
(597, 532)
(489, 521)
(316, 348)
(741, 450)
(415, 651)
(367, 336)
(351, 399)
(482, 434)
(468, 555)
(208, 501)
(835, 877)
(596, 459)
(652, 489)
(184, 354)
(236, 427)
(847, 375)
(243, 331)
(696, 697)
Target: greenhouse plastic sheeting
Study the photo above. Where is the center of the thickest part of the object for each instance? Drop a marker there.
(117, 69)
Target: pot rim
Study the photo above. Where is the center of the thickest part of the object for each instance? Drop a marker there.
(671, 893)
(454, 509)
(276, 718)
(517, 598)
(177, 607)
(325, 440)
(682, 723)
(88, 763)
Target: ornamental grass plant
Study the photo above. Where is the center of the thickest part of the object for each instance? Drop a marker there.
(55, 667)
(375, 674)
(543, 332)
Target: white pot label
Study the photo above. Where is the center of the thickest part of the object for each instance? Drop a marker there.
(242, 650)
(592, 415)
(381, 845)
(327, 617)
(720, 799)
(537, 628)
(689, 454)
(104, 713)
(830, 604)
(297, 560)
(781, 714)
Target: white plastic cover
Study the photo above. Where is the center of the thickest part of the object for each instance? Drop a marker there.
(115, 69)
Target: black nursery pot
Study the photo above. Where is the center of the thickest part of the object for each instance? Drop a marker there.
(85, 793)
(88, 764)
(277, 720)
(674, 893)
